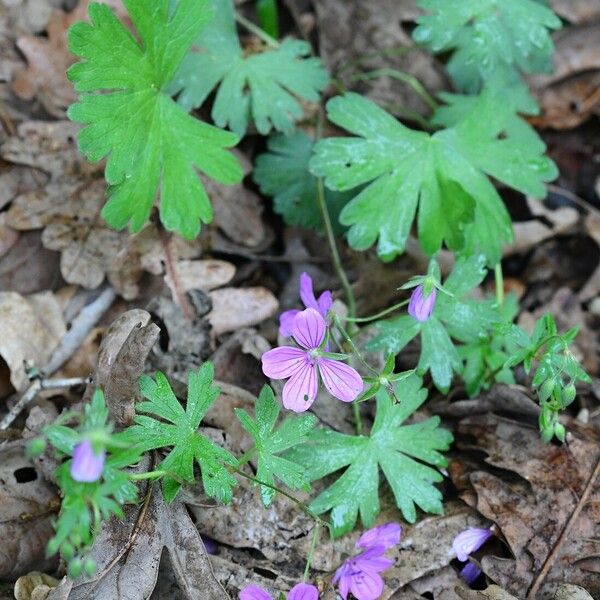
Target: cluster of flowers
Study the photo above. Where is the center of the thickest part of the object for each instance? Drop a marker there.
(358, 575)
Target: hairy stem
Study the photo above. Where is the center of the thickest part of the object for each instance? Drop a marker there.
(379, 314)
(499, 278)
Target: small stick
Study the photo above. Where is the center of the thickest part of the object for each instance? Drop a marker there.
(34, 389)
(80, 327)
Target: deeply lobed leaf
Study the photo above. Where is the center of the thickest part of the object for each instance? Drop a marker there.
(152, 145)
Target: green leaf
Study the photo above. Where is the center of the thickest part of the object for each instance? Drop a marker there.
(270, 443)
(444, 176)
(152, 145)
(487, 37)
(283, 174)
(178, 429)
(402, 452)
(454, 316)
(264, 86)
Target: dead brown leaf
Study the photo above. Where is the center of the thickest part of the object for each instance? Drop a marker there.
(592, 287)
(128, 553)
(34, 586)
(538, 501)
(202, 275)
(31, 328)
(29, 504)
(234, 308)
(577, 11)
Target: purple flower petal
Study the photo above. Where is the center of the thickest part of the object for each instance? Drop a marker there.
(283, 362)
(286, 320)
(307, 294)
(325, 303)
(300, 390)
(387, 535)
(342, 382)
(344, 586)
(373, 560)
(303, 591)
(210, 545)
(253, 592)
(87, 466)
(366, 585)
(470, 573)
(420, 308)
(469, 541)
(309, 329)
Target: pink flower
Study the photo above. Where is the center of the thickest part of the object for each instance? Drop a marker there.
(420, 308)
(87, 466)
(470, 573)
(387, 535)
(302, 366)
(307, 295)
(301, 591)
(469, 541)
(360, 574)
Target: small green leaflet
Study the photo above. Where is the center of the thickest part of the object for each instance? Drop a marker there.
(151, 143)
(283, 174)
(270, 442)
(487, 37)
(179, 429)
(262, 85)
(444, 174)
(402, 452)
(453, 316)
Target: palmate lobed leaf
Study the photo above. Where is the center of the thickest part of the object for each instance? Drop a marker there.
(283, 173)
(151, 144)
(403, 453)
(178, 429)
(440, 179)
(488, 36)
(270, 442)
(263, 86)
(456, 316)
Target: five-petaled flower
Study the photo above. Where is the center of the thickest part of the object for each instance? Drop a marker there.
(360, 574)
(87, 466)
(307, 295)
(419, 307)
(465, 543)
(303, 366)
(301, 591)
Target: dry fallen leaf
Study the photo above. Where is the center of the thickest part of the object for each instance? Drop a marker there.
(31, 328)
(234, 308)
(545, 500)
(202, 275)
(592, 287)
(29, 504)
(577, 11)
(34, 586)
(128, 553)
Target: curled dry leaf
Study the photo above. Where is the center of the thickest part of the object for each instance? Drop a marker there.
(29, 504)
(234, 308)
(545, 501)
(128, 553)
(121, 360)
(31, 328)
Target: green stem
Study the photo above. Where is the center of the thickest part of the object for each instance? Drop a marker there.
(298, 503)
(311, 551)
(379, 314)
(348, 340)
(499, 278)
(337, 263)
(410, 80)
(357, 418)
(147, 475)
(256, 30)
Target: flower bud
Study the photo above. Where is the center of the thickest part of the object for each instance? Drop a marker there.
(87, 465)
(420, 308)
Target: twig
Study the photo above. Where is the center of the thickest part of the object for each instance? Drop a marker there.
(80, 328)
(556, 189)
(564, 534)
(179, 294)
(33, 390)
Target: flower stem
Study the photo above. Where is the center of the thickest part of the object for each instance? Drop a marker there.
(379, 314)
(499, 284)
(311, 550)
(256, 30)
(335, 255)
